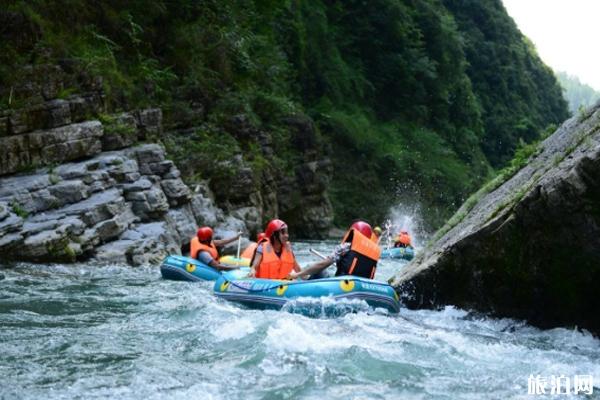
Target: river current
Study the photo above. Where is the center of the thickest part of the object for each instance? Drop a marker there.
(116, 332)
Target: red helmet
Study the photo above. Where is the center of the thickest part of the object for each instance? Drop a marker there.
(260, 237)
(204, 234)
(363, 228)
(273, 226)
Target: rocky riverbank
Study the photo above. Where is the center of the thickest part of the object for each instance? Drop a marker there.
(76, 184)
(122, 206)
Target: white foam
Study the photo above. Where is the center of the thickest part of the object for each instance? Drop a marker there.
(236, 329)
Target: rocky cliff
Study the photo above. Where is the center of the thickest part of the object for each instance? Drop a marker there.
(127, 206)
(530, 248)
(76, 187)
(76, 184)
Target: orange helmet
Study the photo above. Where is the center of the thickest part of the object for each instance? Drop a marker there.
(204, 234)
(260, 237)
(363, 228)
(274, 226)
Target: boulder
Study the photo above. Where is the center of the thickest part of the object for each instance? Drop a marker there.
(527, 248)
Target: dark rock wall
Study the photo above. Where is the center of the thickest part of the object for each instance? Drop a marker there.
(529, 249)
(74, 187)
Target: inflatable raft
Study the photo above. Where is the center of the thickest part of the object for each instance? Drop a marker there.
(235, 261)
(180, 268)
(405, 253)
(275, 294)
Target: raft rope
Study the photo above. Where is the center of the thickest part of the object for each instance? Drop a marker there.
(266, 289)
(255, 290)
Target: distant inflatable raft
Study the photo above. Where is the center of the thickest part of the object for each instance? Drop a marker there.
(274, 294)
(404, 253)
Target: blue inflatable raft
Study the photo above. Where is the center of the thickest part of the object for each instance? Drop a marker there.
(275, 294)
(405, 253)
(180, 268)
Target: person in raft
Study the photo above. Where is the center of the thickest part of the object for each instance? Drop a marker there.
(274, 258)
(251, 249)
(403, 239)
(356, 255)
(376, 234)
(204, 249)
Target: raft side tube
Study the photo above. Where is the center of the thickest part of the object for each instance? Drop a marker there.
(181, 268)
(404, 253)
(267, 293)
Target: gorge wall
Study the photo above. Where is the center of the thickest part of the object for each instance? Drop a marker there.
(528, 248)
(78, 183)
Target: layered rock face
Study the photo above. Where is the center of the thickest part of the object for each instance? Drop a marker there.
(127, 206)
(299, 197)
(91, 195)
(530, 249)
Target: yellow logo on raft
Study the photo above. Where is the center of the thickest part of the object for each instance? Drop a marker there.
(281, 290)
(347, 285)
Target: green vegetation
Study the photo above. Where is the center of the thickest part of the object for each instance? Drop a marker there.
(413, 101)
(112, 124)
(518, 94)
(19, 210)
(578, 94)
(53, 178)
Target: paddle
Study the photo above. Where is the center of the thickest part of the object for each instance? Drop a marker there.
(317, 253)
(239, 244)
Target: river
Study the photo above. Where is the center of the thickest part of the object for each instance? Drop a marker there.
(99, 332)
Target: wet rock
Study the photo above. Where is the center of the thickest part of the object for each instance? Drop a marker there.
(528, 248)
(57, 145)
(112, 208)
(149, 123)
(177, 192)
(251, 217)
(121, 132)
(203, 206)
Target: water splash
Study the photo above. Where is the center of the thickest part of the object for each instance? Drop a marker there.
(404, 217)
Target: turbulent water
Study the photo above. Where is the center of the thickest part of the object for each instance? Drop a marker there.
(87, 332)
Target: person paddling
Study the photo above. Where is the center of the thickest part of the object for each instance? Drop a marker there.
(274, 257)
(403, 239)
(356, 255)
(204, 248)
(251, 249)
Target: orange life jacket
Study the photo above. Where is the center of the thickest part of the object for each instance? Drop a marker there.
(196, 247)
(402, 240)
(249, 251)
(362, 258)
(273, 267)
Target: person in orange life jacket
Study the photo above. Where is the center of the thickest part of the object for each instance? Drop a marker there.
(403, 239)
(251, 249)
(204, 248)
(356, 255)
(274, 258)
